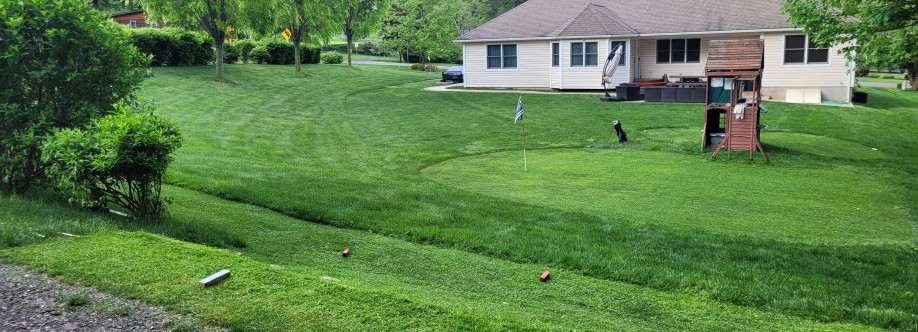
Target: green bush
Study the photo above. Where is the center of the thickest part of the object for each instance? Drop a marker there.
(431, 68)
(245, 47)
(62, 64)
(173, 46)
(280, 52)
(260, 54)
(417, 66)
(332, 58)
(230, 53)
(119, 159)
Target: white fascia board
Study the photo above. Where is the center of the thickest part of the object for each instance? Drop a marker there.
(639, 35)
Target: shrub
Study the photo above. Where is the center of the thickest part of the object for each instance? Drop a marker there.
(173, 46)
(230, 53)
(118, 159)
(63, 64)
(245, 47)
(280, 52)
(431, 68)
(332, 58)
(417, 66)
(260, 54)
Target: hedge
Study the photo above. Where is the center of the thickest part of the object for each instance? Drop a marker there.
(174, 47)
(280, 52)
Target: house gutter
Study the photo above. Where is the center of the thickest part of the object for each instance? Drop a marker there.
(638, 35)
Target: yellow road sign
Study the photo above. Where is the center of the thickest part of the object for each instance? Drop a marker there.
(287, 34)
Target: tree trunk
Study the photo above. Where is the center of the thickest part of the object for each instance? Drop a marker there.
(218, 47)
(296, 55)
(911, 74)
(350, 36)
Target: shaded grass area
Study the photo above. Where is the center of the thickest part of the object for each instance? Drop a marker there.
(386, 283)
(165, 272)
(347, 152)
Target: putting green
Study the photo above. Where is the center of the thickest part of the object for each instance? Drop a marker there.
(690, 192)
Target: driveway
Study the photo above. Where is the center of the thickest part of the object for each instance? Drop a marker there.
(880, 85)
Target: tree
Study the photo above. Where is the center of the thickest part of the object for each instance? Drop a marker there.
(361, 18)
(309, 21)
(426, 27)
(882, 33)
(212, 16)
(62, 64)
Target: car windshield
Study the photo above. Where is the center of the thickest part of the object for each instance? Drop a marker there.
(457, 69)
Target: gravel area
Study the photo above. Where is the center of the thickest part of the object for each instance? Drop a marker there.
(34, 302)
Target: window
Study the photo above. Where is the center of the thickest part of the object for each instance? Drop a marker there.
(584, 54)
(555, 54)
(621, 62)
(576, 54)
(678, 50)
(133, 23)
(592, 54)
(799, 49)
(501, 56)
(663, 51)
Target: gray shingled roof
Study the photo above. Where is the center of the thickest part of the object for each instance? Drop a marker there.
(559, 18)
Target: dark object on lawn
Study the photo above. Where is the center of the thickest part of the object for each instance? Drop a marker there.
(214, 279)
(629, 91)
(454, 74)
(346, 252)
(544, 276)
(859, 97)
(608, 71)
(652, 94)
(622, 137)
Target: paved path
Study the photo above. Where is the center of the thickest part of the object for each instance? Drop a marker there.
(378, 63)
(879, 85)
(446, 88)
(383, 63)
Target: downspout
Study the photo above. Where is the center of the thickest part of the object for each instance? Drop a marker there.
(637, 60)
(561, 63)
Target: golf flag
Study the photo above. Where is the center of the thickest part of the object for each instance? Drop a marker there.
(519, 110)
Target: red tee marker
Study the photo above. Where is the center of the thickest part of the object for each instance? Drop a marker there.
(346, 252)
(544, 276)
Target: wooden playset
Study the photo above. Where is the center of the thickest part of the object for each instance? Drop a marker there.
(731, 117)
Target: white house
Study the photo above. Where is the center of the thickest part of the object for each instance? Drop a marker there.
(563, 44)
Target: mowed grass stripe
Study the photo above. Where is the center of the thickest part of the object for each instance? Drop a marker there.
(367, 176)
(419, 287)
(813, 205)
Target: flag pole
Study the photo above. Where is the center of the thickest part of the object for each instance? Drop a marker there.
(525, 166)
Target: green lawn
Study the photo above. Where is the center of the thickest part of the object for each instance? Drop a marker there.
(826, 232)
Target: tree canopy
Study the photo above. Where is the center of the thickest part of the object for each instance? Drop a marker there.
(309, 21)
(877, 32)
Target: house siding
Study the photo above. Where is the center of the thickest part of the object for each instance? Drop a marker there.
(140, 18)
(590, 77)
(834, 78)
(533, 62)
(651, 69)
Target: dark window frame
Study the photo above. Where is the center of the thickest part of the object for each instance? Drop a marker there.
(555, 54)
(809, 50)
(502, 57)
(689, 52)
